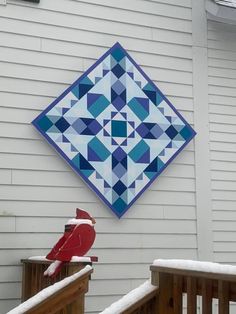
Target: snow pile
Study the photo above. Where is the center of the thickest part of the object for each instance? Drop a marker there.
(130, 298)
(39, 258)
(52, 268)
(196, 266)
(47, 292)
(81, 259)
(78, 222)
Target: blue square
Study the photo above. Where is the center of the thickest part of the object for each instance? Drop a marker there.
(118, 128)
(115, 128)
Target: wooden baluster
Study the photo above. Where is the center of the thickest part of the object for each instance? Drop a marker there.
(206, 296)
(25, 282)
(33, 280)
(191, 295)
(165, 294)
(178, 294)
(223, 296)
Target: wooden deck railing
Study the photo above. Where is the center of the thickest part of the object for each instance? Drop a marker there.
(170, 283)
(142, 300)
(174, 282)
(65, 297)
(145, 305)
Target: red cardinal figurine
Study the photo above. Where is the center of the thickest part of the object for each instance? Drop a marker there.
(78, 238)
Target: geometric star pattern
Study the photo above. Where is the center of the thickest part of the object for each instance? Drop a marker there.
(115, 128)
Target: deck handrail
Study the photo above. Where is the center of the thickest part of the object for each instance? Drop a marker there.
(68, 292)
(171, 279)
(141, 300)
(219, 282)
(145, 305)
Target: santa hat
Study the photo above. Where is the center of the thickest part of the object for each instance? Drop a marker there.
(82, 214)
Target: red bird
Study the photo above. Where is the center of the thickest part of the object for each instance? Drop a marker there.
(78, 238)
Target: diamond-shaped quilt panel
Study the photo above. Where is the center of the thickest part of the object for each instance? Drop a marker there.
(115, 128)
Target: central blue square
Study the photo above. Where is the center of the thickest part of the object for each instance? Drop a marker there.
(118, 128)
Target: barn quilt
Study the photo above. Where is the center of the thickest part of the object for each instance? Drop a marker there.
(115, 128)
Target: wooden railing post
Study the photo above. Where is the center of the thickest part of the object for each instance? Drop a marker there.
(191, 295)
(223, 295)
(60, 298)
(178, 294)
(166, 301)
(34, 281)
(164, 282)
(206, 296)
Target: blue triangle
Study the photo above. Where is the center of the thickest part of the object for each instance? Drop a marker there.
(140, 177)
(73, 148)
(65, 140)
(73, 102)
(92, 156)
(98, 176)
(106, 185)
(145, 158)
(92, 98)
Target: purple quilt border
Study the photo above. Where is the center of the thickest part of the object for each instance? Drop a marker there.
(92, 187)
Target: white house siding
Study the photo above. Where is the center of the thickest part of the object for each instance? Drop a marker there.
(43, 49)
(222, 114)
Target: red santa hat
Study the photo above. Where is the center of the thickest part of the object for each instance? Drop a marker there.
(82, 214)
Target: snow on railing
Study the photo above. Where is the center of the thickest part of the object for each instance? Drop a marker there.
(208, 267)
(129, 300)
(194, 278)
(49, 292)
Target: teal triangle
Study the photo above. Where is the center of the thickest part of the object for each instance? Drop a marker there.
(119, 205)
(86, 81)
(76, 160)
(148, 87)
(160, 164)
(185, 132)
(118, 54)
(150, 175)
(45, 123)
(87, 173)
(75, 91)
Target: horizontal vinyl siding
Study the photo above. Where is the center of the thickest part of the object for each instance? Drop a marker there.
(222, 115)
(43, 49)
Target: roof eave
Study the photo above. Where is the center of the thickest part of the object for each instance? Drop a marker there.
(220, 13)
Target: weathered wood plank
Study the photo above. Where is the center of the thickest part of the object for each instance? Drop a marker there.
(223, 295)
(191, 295)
